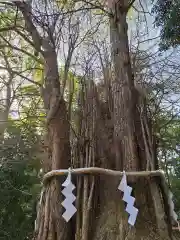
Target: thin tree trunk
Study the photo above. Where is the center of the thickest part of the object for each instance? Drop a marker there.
(4, 113)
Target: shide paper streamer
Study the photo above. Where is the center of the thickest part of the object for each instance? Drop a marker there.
(129, 200)
(70, 198)
(127, 190)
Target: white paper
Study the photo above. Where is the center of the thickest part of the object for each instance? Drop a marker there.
(130, 208)
(133, 216)
(67, 181)
(123, 183)
(129, 200)
(127, 193)
(69, 199)
(68, 189)
(67, 215)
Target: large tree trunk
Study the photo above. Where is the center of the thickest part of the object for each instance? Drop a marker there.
(132, 153)
(102, 217)
(50, 224)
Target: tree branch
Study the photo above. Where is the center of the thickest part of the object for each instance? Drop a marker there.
(24, 37)
(26, 78)
(94, 6)
(20, 50)
(25, 8)
(6, 29)
(130, 4)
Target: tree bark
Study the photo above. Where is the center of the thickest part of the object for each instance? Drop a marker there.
(4, 112)
(130, 151)
(49, 224)
(108, 218)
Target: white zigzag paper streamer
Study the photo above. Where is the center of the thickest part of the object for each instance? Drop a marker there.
(133, 212)
(70, 198)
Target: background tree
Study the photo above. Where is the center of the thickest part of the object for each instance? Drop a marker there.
(167, 18)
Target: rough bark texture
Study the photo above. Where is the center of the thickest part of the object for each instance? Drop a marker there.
(113, 135)
(133, 151)
(49, 223)
(123, 141)
(105, 218)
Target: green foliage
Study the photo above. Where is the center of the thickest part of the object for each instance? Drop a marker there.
(32, 113)
(19, 182)
(167, 17)
(169, 152)
(175, 184)
(169, 134)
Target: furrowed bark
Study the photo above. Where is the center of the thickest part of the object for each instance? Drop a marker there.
(51, 225)
(104, 217)
(130, 151)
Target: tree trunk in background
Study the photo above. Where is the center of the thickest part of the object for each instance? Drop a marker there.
(4, 112)
(50, 224)
(131, 153)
